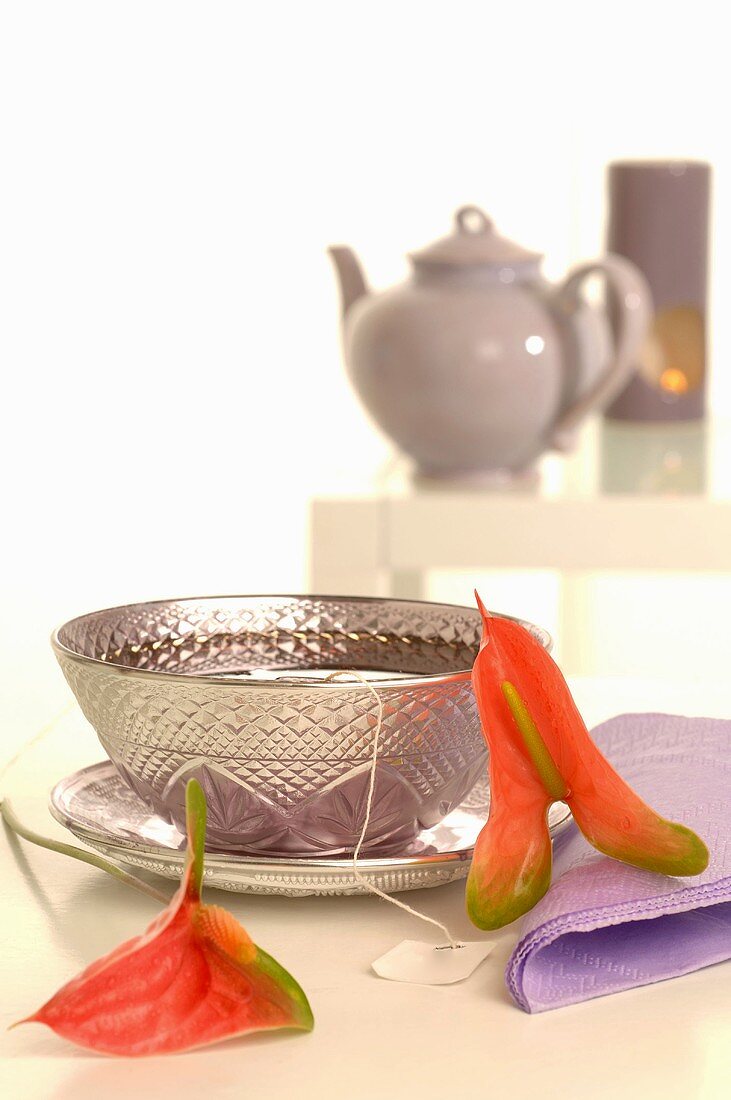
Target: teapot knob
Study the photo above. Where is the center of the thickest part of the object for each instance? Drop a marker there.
(471, 219)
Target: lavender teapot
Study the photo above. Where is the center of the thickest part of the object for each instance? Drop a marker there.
(477, 364)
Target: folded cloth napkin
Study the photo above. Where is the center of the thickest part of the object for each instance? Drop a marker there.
(603, 926)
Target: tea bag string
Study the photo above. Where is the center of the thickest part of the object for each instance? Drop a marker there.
(359, 877)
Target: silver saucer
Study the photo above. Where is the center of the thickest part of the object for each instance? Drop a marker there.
(97, 806)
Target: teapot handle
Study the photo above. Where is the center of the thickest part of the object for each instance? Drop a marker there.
(630, 314)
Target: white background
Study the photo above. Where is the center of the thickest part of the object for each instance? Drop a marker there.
(172, 174)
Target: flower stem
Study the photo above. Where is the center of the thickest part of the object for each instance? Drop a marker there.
(92, 858)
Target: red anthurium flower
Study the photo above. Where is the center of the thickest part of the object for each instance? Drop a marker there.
(192, 978)
(541, 752)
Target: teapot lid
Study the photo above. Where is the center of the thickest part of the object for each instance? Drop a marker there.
(474, 241)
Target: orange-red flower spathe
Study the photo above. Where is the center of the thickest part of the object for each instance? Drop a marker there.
(541, 752)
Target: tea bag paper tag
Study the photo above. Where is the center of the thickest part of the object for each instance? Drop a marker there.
(427, 964)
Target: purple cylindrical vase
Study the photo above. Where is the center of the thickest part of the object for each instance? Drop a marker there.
(658, 218)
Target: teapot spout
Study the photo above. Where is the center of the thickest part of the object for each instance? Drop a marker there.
(350, 275)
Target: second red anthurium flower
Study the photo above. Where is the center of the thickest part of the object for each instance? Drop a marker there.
(541, 752)
(192, 978)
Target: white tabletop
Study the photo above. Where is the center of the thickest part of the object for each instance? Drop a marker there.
(372, 1038)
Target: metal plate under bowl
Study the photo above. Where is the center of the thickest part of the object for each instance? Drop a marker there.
(98, 807)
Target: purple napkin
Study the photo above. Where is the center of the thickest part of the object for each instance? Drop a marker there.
(603, 926)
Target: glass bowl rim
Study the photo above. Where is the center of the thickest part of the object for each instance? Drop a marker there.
(417, 680)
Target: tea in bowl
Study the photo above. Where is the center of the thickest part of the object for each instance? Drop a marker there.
(255, 697)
